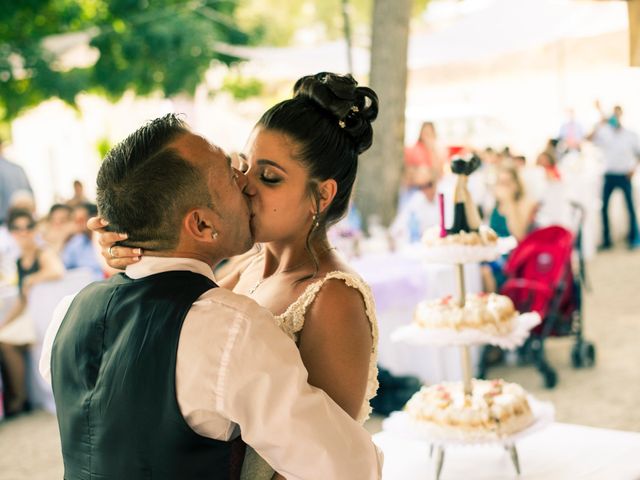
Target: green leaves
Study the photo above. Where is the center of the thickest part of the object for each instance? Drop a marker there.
(162, 46)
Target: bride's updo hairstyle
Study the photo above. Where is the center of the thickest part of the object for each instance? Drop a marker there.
(329, 118)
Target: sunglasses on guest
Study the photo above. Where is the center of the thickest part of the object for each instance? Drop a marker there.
(20, 228)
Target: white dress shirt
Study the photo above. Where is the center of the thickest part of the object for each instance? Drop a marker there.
(425, 214)
(235, 367)
(620, 148)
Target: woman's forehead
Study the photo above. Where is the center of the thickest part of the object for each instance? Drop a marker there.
(272, 140)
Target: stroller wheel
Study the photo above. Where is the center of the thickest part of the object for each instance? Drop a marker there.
(550, 378)
(583, 354)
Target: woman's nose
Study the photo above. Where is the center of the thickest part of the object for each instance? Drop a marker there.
(241, 179)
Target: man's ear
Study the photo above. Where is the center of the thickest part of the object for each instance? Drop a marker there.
(199, 225)
(327, 190)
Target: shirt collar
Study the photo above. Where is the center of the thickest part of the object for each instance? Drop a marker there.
(152, 265)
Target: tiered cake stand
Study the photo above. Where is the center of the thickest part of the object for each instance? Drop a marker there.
(400, 423)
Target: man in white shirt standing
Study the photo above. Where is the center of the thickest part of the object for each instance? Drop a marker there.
(621, 151)
(156, 372)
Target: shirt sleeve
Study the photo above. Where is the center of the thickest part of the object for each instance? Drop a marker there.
(298, 429)
(636, 146)
(52, 330)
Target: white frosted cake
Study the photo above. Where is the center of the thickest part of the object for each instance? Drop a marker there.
(491, 313)
(485, 236)
(495, 409)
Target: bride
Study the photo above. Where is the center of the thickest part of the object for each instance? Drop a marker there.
(300, 163)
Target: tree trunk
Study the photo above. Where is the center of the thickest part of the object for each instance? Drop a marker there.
(380, 168)
(634, 33)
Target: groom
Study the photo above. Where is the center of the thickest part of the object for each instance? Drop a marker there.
(156, 371)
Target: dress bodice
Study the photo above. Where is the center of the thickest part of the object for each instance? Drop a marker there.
(292, 322)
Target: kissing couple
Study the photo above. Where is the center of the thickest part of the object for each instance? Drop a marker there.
(164, 371)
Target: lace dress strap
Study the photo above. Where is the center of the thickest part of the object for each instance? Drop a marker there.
(292, 321)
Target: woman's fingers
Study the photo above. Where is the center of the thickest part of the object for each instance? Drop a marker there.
(106, 239)
(97, 224)
(119, 251)
(119, 257)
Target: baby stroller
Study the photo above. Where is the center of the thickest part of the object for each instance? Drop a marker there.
(541, 278)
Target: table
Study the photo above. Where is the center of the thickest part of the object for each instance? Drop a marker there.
(559, 452)
(399, 281)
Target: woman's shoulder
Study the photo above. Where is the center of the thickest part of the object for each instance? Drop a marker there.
(337, 269)
(338, 286)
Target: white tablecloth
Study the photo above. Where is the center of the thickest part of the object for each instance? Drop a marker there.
(559, 452)
(399, 280)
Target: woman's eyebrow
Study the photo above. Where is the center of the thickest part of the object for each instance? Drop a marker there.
(264, 161)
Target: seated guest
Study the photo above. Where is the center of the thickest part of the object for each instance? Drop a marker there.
(513, 215)
(420, 210)
(34, 266)
(79, 251)
(514, 211)
(9, 249)
(58, 227)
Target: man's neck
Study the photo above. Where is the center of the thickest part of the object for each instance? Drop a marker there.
(183, 253)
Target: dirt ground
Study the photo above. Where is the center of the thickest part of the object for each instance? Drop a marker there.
(606, 395)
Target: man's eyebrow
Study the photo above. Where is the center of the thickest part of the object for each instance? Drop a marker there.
(228, 157)
(243, 156)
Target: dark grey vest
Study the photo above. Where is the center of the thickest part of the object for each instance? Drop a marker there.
(113, 370)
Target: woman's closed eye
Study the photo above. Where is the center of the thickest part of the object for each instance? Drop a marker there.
(270, 177)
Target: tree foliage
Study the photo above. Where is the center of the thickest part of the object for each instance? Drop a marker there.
(275, 22)
(144, 45)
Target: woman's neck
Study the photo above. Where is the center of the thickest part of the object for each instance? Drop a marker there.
(29, 250)
(288, 256)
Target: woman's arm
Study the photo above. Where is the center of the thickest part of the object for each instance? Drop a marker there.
(520, 216)
(335, 345)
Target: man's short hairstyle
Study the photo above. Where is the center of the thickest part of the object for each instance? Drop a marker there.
(145, 187)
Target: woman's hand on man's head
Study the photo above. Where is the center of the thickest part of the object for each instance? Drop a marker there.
(116, 256)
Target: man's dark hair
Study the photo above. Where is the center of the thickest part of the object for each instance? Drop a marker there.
(145, 187)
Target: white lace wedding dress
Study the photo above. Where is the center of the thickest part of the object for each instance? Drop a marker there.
(291, 322)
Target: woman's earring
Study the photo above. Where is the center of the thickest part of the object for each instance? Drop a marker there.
(214, 235)
(315, 222)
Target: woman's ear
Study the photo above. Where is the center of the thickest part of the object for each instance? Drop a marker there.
(327, 190)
